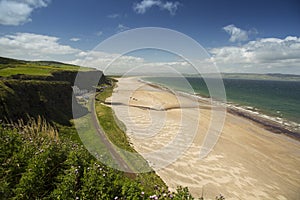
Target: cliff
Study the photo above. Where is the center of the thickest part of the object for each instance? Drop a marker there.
(24, 95)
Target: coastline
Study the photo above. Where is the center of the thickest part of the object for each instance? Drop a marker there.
(248, 162)
(269, 124)
(290, 129)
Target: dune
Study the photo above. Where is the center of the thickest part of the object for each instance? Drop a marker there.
(247, 162)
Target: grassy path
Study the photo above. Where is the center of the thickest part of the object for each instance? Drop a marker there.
(115, 155)
(114, 132)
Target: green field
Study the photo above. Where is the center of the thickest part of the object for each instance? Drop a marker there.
(9, 67)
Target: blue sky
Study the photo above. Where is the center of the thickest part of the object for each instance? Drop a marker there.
(237, 33)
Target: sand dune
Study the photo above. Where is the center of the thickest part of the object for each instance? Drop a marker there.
(248, 162)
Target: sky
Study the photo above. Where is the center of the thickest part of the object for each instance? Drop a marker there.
(241, 36)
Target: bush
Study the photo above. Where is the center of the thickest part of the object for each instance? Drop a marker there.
(37, 164)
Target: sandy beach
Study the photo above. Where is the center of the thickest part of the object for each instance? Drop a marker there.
(247, 162)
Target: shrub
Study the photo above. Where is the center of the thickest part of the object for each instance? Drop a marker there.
(37, 164)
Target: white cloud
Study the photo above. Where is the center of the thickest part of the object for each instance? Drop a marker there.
(131, 64)
(101, 61)
(263, 55)
(121, 28)
(99, 33)
(236, 34)
(14, 12)
(144, 5)
(114, 16)
(171, 7)
(74, 39)
(34, 46)
(36, 3)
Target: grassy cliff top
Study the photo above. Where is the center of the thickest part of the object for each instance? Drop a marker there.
(9, 67)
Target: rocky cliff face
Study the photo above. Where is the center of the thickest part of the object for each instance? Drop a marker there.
(83, 80)
(23, 96)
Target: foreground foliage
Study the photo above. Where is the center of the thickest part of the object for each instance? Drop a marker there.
(37, 164)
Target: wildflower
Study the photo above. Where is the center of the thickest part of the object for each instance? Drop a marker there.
(153, 197)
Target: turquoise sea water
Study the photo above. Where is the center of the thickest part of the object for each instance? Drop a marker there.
(274, 98)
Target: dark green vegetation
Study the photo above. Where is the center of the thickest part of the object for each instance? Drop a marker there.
(108, 122)
(39, 161)
(36, 163)
(47, 93)
(114, 130)
(22, 98)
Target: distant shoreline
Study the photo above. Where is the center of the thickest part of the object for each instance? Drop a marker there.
(267, 123)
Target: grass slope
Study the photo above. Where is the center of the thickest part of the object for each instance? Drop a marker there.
(9, 67)
(114, 129)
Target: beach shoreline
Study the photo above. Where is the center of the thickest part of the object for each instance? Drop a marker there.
(268, 122)
(247, 162)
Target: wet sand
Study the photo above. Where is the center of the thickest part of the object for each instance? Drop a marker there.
(247, 162)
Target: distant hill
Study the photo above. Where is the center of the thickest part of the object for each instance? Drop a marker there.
(270, 76)
(253, 76)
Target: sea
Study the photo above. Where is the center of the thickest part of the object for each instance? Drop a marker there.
(275, 98)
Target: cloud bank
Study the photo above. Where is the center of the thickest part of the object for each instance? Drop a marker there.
(33, 46)
(145, 5)
(262, 55)
(14, 12)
